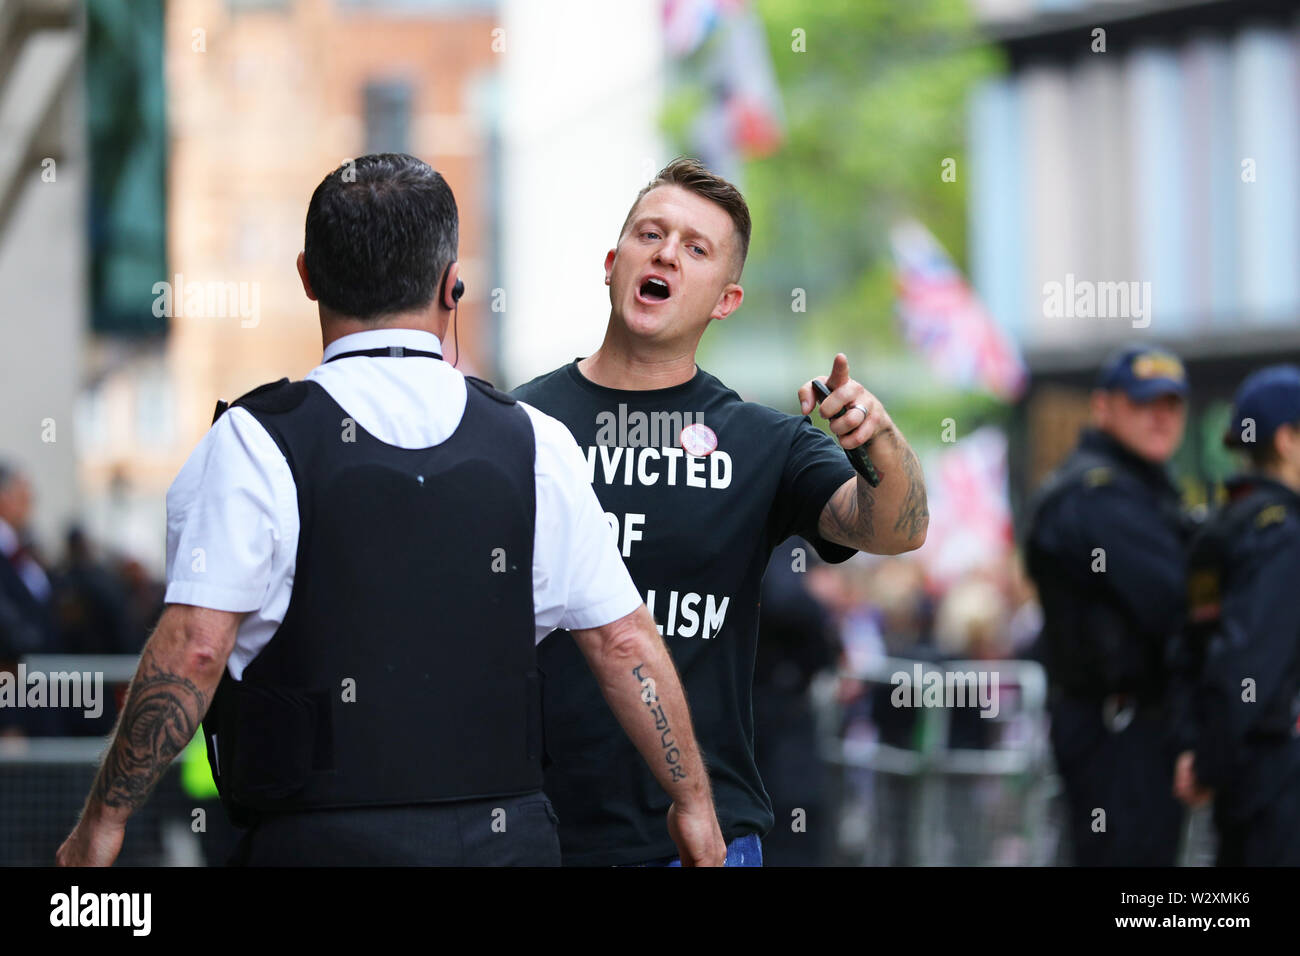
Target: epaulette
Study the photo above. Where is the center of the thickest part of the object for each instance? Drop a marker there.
(1273, 514)
(1096, 477)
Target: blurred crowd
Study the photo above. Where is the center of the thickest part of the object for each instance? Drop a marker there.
(818, 621)
(81, 602)
(844, 622)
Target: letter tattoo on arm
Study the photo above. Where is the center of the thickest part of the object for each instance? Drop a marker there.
(671, 754)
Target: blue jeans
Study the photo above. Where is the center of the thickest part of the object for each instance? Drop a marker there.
(742, 851)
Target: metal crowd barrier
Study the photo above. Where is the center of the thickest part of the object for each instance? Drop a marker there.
(928, 804)
(44, 782)
(43, 785)
(931, 803)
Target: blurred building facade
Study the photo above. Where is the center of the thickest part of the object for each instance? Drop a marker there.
(1133, 179)
(188, 136)
(582, 91)
(263, 98)
(42, 247)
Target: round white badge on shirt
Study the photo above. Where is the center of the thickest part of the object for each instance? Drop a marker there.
(699, 440)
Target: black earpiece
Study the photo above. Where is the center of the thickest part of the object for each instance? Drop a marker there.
(457, 290)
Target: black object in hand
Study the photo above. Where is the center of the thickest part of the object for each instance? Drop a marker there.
(857, 456)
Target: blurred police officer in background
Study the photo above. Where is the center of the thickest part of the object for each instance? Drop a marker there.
(1240, 654)
(1106, 547)
(797, 640)
(360, 565)
(27, 620)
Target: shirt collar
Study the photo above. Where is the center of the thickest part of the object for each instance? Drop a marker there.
(1240, 485)
(382, 338)
(1096, 440)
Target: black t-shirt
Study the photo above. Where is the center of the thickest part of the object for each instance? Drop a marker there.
(696, 532)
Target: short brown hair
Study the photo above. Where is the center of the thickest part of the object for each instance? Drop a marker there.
(1262, 455)
(693, 176)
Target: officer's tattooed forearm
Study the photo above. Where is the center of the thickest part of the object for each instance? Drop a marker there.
(162, 713)
(672, 755)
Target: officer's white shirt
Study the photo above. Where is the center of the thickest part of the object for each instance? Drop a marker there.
(232, 512)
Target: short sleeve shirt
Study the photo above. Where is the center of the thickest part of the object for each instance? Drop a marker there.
(232, 512)
(698, 486)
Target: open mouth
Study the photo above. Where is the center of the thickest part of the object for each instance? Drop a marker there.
(655, 290)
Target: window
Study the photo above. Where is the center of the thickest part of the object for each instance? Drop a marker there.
(388, 117)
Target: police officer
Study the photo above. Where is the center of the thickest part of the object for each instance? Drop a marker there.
(1242, 644)
(28, 624)
(1106, 549)
(360, 565)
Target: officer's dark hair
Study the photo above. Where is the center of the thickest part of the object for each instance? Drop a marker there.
(381, 231)
(8, 474)
(1262, 455)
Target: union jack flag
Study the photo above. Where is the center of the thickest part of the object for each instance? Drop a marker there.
(942, 318)
(970, 514)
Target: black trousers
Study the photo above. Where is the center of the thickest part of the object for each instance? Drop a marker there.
(785, 750)
(1129, 776)
(501, 831)
(1269, 837)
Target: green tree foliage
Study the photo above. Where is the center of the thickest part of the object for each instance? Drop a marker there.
(873, 107)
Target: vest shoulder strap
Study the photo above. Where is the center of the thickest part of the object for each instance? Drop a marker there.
(278, 396)
(488, 389)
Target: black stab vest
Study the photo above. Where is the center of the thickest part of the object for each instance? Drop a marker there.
(405, 669)
(1209, 572)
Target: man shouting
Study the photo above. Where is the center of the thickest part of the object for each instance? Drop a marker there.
(699, 487)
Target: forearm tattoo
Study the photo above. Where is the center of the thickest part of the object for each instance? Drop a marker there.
(672, 756)
(851, 514)
(914, 513)
(162, 713)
